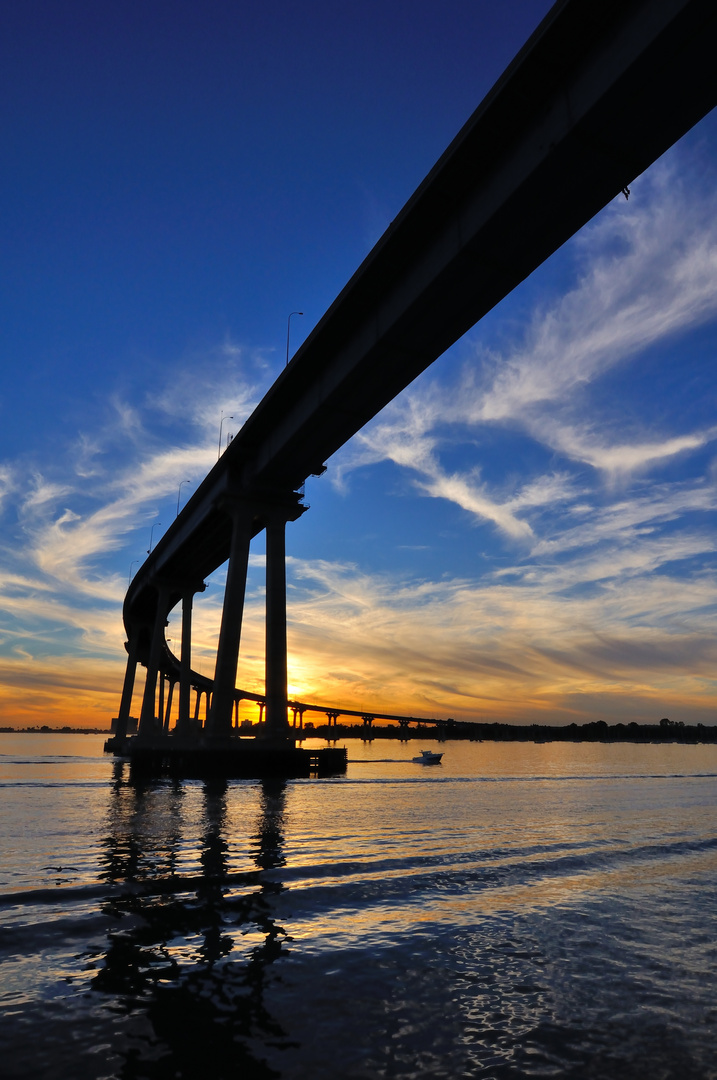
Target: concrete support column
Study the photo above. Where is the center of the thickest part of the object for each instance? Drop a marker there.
(128, 686)
(168, 710)
(219, 723)
(160, 707)
(146, 718)
(277, 723)
(185, 671)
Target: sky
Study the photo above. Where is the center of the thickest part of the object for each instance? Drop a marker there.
(526, 534)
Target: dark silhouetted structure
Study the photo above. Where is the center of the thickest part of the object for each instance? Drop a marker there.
(599, 91)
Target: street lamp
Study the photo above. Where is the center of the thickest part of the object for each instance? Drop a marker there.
(219, 451)
(129, 576)
(151, 532)
(288, 328)
(179, 490)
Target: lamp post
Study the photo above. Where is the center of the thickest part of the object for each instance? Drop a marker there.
(221, 422)
(151, 533)
(129, 576)
(288, 328)
(179, 491)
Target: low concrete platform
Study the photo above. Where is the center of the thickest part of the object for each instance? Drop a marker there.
(234, 757)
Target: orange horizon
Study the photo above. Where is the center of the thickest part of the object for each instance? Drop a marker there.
(84, 691)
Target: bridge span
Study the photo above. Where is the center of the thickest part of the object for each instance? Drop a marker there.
(599, 91)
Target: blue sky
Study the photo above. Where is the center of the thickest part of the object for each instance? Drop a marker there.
(526, 533)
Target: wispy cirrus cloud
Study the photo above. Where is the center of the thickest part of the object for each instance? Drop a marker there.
(74, 515)
(622, 459)
(116, 479)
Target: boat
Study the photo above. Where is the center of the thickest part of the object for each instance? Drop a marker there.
(428, 757)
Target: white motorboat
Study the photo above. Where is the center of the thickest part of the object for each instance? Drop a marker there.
(428, 757)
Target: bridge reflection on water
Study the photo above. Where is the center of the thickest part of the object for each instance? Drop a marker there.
(191, 955)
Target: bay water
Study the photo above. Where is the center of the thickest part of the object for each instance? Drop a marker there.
(520, 910)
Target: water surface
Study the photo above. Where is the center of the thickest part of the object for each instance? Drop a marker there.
(521, 910)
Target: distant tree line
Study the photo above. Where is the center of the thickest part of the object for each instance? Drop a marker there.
(45, 728)
(594, 731)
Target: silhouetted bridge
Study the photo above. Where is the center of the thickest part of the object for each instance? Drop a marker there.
(599, 91)
(203, 690)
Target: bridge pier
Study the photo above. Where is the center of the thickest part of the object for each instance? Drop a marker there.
(276, 692)
(128, 685)
(160, 706)
(147, 715)
(219, 723)
(185, 673)
(299, 711)
(168, 710)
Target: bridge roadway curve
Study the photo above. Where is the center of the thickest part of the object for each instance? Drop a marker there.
(170, 668)
(599, 91)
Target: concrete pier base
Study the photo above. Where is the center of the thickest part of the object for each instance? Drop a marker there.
(231, 757)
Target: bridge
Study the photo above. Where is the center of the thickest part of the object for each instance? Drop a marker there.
(599, 91)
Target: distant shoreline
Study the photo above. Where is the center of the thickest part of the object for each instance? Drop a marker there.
(666, 731)
(54, 731)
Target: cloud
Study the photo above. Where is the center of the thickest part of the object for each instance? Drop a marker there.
(628, 521)
(115, 482)
(623, 459)
(226, 381)
(41, 493)
(76, 514)
(473, 498)
(408, 443)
